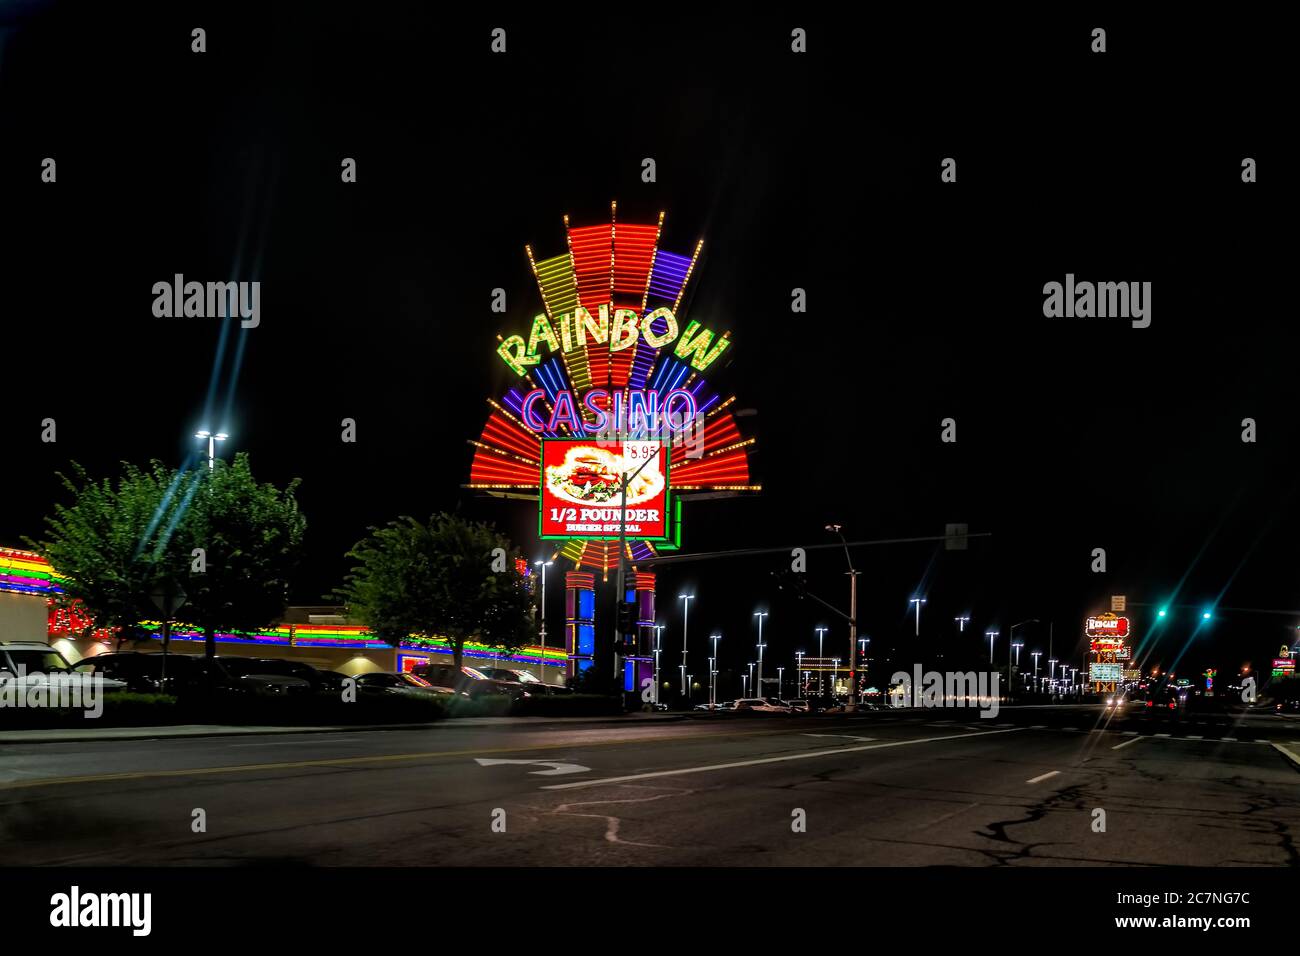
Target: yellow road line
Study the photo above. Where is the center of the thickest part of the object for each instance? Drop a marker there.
(346, 761)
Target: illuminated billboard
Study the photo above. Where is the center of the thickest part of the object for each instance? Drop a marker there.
(1105, 673)
(581, 490)
(1106, 625)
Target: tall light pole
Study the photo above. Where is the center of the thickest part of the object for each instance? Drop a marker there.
(853, 615)
(658, 629)
(798, 669)
(836, 674)
(686, 600)
(821, 656)
(1016, 647)
(991, 635)
(1051, 675)
(751, 673)
(1012, 636)
(918, 602)
(759, 686)
(961, 623)
(715, 638)
(212, 446)
(543, 565)
(780, 676)
(1035, 655)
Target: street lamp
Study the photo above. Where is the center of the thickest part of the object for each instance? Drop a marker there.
(751, 673)
(686, 600)
(798, 669)
(1012, 635)
(991, 635)
(961, 623)
(543, 565)
(821, 656)
(714, 685)
(780, 676)
(658, 629)
(212, 440)
(918, 602)
(759, 686)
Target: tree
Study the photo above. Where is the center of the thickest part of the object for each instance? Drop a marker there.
(118, 542)
(451, 578)
(249, 536)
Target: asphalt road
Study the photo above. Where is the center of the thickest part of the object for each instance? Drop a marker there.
(900, 789)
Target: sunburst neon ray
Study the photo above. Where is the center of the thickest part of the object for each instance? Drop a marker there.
(602, 268)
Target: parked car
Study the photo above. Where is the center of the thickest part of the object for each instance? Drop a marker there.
(470, 681)
(531, 681)
(799, 706)
(406, 685)
(273, 666)
(763, 705)
(142, 672)
(244, 677)
(30, 663)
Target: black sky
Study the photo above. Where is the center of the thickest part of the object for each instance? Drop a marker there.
(817, 171)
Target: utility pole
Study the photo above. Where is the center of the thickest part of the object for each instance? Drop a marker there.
(853, 619)
(622, 548)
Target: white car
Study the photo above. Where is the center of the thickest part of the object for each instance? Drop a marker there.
(31, 663)
(763, 705)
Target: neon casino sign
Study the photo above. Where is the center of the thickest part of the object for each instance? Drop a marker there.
(696, 344)
(642, 413)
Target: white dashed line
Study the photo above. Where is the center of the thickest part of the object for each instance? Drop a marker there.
(1043, 776)
(1131, 740)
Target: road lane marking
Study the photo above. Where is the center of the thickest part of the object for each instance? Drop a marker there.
(845, 736)
(765, 760)
(1166, 735)
(348, 761)
(557, 768)
(1290, 753)
(1131, 740)
(1043, 776)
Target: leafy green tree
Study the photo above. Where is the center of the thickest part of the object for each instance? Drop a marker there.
(451, 578)
(250, 536)
(120, 540)
(116, 542)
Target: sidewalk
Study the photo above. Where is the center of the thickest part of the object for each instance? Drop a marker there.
(62, 735)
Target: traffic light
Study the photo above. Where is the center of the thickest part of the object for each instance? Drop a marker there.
(627, 618)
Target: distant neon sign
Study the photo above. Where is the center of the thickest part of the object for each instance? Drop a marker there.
(1106, 625)
(580, 331)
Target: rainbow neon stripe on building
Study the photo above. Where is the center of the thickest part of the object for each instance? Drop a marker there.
(25, 572)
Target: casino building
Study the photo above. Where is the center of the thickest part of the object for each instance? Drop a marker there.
(320, 636)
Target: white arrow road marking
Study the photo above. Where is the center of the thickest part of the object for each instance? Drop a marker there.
(556, 770)
(806, 755)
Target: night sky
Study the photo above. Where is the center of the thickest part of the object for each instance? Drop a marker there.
(818, 171)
